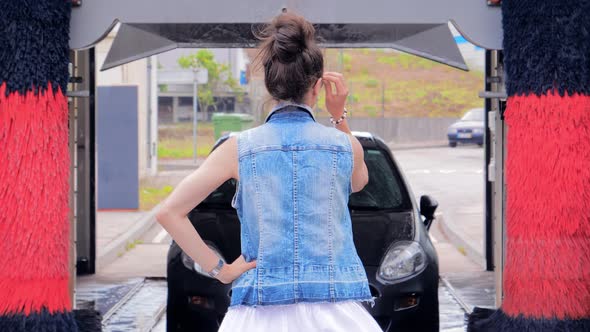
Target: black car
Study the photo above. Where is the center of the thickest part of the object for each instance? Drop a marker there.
(390, 235)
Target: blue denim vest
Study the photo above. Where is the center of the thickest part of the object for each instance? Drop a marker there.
(292, 201)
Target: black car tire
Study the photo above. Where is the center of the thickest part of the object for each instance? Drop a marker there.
(429, 322)
(174, 315)
(453, 144)
(179, 319)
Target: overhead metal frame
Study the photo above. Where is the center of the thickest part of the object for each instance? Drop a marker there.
(431, 41)
(478, 22)
(418, 27)
(149, 27)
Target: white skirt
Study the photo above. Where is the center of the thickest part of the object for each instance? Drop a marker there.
(300, 317)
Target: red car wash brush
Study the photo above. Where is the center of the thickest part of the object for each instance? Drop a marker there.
(547, 266)
(34, 167)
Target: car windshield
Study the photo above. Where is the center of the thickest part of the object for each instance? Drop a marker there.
(384, 190)
(473, 115)
(221, 196)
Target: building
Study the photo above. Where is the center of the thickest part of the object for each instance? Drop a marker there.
(175, 101)
(136, 73)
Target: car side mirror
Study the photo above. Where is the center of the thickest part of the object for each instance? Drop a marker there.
(428, 206)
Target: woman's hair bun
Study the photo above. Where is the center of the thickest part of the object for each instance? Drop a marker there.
(291, 34)
(291, 58)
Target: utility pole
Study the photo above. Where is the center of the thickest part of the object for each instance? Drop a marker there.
(195, 110)
(196, 76)
(382, 99)
(152, 118)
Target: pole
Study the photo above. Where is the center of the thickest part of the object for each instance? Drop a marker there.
(350, 85)
(195, 110)
(71, 215)
(148, 141)
(382, 99)
(153, 121)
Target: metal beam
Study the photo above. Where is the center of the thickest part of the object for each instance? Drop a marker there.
(432, 41)
(479, 23)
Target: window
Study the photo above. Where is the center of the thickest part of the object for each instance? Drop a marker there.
(473, 115)
(185, 101)
(384, 190)
(222, 196)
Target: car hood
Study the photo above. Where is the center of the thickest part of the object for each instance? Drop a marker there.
(467, 124)
(374, 232)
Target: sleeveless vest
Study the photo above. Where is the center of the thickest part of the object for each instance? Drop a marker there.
(292, 202)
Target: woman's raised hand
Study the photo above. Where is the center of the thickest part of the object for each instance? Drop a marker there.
(335, 101)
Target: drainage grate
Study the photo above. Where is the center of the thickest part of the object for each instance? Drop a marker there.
(140, 310)
(452, 314)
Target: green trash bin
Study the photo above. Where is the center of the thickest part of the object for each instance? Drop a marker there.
(228, 122)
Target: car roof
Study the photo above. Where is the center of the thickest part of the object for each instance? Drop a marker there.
(364, 134)
(367, 139)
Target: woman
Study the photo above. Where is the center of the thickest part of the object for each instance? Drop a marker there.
(299, 269)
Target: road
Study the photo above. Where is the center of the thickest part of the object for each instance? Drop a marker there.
(455, 178)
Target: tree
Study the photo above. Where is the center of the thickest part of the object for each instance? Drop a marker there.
(219, 77)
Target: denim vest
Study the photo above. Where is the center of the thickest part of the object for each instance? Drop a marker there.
(292, 201)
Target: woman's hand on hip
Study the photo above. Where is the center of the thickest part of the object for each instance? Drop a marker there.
(231, 272)
(335, 101)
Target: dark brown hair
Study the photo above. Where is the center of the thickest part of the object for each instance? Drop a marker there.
(290, 56)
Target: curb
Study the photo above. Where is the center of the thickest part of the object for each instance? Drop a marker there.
(458, 242)
(118, 245)
(414, 146)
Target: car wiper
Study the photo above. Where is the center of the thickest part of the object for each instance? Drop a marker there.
(365, 208)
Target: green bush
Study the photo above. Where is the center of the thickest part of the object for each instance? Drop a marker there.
(353, 98)
(371, 110)
(181, 148)
(372, 83)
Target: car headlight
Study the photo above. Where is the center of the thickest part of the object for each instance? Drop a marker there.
(402, 260)
(478, 131)
(452, 130)
(192, 265)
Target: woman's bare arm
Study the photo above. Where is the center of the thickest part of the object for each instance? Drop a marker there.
(360, 174)
(335, 101)
(219, 167)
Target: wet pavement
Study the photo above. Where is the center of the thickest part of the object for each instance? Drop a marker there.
(474, 289)
(139, 304)
(141, 310)
(161, 326)
(103, 296)
(452, 315)
(135, 305)
(455, 178)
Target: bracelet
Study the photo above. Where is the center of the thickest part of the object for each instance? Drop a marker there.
(216, 269)
(339, 121)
